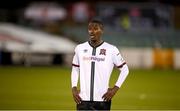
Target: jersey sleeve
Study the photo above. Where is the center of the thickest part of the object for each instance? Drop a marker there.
(117, 58)
(121, 64)
(75, 61)
(75, 69)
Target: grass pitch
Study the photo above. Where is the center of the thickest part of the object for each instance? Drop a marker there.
(49, 88)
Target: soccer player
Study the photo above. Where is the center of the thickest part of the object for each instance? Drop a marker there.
(93, 63)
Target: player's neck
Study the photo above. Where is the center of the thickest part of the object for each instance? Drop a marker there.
(95, 43)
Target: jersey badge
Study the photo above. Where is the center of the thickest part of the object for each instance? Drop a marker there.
(102, 52)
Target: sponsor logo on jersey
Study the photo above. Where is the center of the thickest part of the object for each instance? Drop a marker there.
(93, 58)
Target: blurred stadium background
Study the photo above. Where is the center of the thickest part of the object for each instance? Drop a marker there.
(37, 41)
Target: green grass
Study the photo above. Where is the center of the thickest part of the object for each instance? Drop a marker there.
(50, 88)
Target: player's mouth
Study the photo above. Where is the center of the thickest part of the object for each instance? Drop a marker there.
(92, 35)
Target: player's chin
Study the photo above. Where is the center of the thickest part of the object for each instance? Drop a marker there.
(92, 38)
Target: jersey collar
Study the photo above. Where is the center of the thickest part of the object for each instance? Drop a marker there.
(97, 45)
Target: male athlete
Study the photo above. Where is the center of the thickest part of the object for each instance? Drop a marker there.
(93, 62)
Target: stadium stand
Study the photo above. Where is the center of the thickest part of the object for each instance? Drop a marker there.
(152, 38)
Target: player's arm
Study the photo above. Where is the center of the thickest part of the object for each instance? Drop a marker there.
(124, 71)
(74, 81)
(74, 78)
(122, 66)
(122, 76)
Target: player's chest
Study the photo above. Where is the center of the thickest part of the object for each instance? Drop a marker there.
(94, 54)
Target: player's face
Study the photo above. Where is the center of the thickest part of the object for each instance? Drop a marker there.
(95, 31)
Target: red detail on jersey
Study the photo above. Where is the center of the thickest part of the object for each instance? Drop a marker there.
(102, 52)
(120, 66)
(75, 65)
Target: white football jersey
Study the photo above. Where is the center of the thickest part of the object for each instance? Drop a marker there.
(95, 68)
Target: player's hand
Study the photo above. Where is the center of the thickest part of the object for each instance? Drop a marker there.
(110, 93)
(76, 96)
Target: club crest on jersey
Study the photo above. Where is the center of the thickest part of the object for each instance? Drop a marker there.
(102, 52)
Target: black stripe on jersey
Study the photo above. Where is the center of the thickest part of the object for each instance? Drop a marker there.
(93, 71)
(120, 66)
(75, 65)
(92, 81)
(94, 52)
(92, 76)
